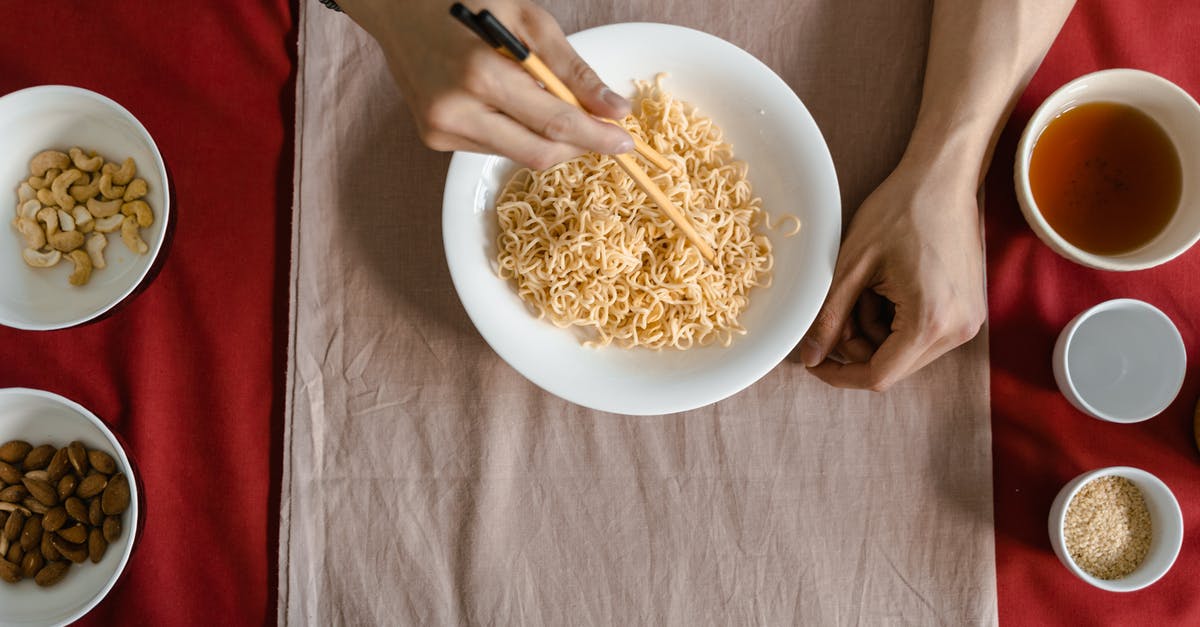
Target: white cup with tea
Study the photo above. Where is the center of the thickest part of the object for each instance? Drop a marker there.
(1104, 170)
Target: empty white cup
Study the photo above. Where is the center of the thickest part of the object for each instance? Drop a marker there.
(1122, 361)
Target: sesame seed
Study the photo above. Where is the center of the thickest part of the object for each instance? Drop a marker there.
(1107, 528)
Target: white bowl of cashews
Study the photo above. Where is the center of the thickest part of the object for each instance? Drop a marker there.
(48, 278)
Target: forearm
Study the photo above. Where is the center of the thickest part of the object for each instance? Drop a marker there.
(982, 53)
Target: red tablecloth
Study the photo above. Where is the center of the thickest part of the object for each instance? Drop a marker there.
(1040, 441)
(189, 371)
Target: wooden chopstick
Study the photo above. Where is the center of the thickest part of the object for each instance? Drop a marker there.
(536, 68)
(496, 35)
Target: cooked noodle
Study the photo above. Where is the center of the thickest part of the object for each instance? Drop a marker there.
(587, 248)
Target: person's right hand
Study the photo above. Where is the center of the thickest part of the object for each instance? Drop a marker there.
(465, 96)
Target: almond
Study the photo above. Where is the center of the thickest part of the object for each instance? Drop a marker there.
(59, 465)
(34, 505)
(48, 550)
(9, 571)
(13, 494)
(15, 553)
(55, 519)
(112, 529)
(95, 513)
(14, 451)
(97, 545)
(51, 573)
(102, 462)
(38, 474)
(14, 525)
(32, 563)
(42, 491)
(74, 552)
(39, 457)
(116, 495)
(66, 485)
(31, 534)
(78, 456)
(76, 509)
(9, 473)
(76, 534)
(91, 486)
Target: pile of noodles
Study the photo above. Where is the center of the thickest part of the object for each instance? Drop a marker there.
(585, 247)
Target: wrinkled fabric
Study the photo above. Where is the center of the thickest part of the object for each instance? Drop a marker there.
(426, 482)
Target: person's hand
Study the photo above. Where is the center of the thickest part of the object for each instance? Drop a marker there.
(908, 284)
(465, 96)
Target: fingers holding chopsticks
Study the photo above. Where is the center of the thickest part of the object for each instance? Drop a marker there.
(465, 96)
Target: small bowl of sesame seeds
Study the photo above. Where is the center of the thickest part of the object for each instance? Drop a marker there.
(1117, 528)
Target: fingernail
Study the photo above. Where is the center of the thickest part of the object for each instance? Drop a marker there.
(613, 99)
(623, 146)
(810, 352)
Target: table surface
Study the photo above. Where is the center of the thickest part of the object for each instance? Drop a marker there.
(190, 371)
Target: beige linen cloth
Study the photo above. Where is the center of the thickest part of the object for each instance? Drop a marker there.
(427, 483)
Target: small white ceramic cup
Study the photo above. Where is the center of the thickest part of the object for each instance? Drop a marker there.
(1166, 521)
(1121, 361)
(1179, 116)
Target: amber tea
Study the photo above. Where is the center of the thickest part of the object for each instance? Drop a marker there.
(1106, 177)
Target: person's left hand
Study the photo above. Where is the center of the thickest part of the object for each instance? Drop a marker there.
(908, 284)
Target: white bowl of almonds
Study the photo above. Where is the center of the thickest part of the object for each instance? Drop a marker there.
(86, 193)
(1118, 529)
(68, 509)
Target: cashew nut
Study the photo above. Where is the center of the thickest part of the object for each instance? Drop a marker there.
(66, 241)
(46, 197)
(96, 242)
(34, 236)
(83, 267)
(40, 259)
(83, 217)
(135, 190)
(108, 224)
(83, 191)
(65, 221)
(26, 192)
(48, 159)
(83, 162)
(29, 209)
(103, 209)
(60, 185)
(131, 237)
(123, 174)
(108, 189)
(42, 182)
(141, 210)
(49, 216)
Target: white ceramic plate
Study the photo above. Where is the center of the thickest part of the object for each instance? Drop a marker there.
(40, 417)
(57, 116)
(791, 169)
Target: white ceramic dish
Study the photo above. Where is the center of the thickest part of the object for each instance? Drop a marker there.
(56, 116)
(1174, 110)
(1166, 520)
(42, 417)
(1122, 361)
(790, 167)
